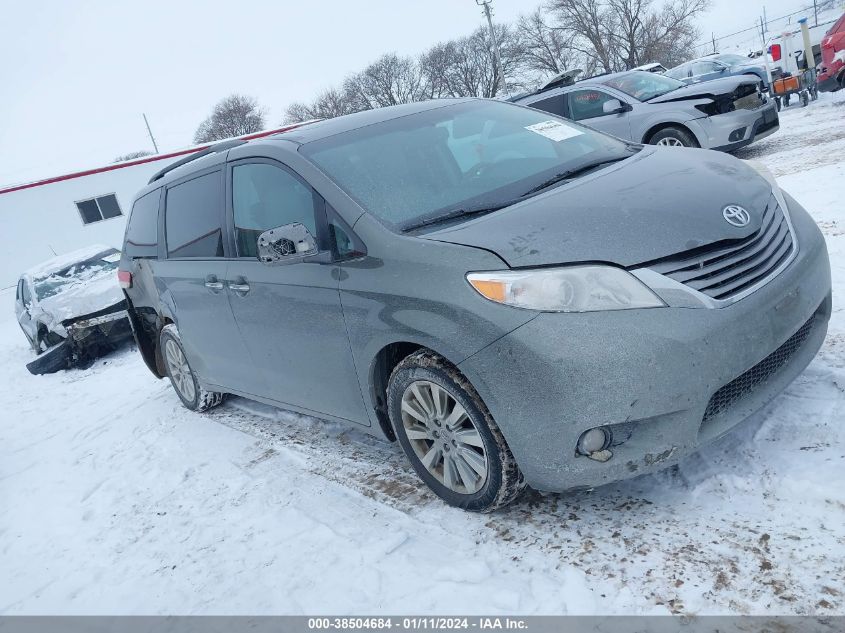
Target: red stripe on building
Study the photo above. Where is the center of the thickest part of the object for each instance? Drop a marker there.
(140, 161)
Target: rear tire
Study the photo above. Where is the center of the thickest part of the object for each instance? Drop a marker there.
(449, 435)
(182, 377)
(673, 137)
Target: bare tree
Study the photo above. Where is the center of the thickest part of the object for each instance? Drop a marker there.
(233, 116)
(544, 49)
(621, 34)
(466, 67)
(330, 103)
(390, 80)
(133, 156)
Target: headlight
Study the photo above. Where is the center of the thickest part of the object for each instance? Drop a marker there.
(566, 289)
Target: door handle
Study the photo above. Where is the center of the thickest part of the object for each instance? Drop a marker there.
(212, 284)
(241, 288)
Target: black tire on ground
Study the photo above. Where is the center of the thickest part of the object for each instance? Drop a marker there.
(52, 360)
(503, 481)
(777, 102)
(672, 135)
(805, 98)
(195, 398)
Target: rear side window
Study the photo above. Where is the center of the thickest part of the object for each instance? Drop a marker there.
(554, 105)
(142, 230)
(193, 217)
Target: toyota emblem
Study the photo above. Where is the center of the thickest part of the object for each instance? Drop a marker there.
(736, 215)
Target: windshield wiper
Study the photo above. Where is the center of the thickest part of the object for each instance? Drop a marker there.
(570, 174)
(459, 213)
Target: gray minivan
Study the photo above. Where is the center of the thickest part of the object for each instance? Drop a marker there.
(515, 298)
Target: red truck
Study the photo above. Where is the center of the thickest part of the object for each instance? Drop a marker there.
(832, 69)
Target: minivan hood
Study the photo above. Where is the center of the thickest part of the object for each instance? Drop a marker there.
(706, 89)
(658, 203)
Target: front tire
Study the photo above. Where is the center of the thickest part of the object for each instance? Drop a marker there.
(673, 137)
(449, 435)
(182, 377)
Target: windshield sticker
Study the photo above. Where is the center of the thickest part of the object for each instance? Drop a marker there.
(555, 130)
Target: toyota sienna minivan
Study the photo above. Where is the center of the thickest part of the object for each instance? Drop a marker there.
(513, 297)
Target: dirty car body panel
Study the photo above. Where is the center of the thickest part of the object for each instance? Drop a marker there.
(666, 379)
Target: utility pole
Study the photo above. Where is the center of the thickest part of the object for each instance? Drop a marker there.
(763, 24)
(816, 12)
(488, 13)
(150, 132)
(713, 36)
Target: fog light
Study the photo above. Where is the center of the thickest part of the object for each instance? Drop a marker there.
(594, 440)
(737, 135)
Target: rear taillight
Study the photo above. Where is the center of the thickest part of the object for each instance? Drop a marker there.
(124, 278)
(775, 51)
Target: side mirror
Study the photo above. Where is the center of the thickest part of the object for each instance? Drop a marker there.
(614, 106)
(286, 242)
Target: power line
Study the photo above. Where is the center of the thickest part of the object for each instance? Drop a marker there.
(756, 27)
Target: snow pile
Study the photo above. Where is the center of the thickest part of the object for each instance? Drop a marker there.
(117, 500)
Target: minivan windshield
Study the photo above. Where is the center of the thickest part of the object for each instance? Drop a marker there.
(467, 157)
(644, 86)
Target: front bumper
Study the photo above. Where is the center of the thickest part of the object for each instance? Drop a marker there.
(828, 82)
(730, 131)
(110, 328)
(651, 373)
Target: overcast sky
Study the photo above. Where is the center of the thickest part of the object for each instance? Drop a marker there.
(76, 76)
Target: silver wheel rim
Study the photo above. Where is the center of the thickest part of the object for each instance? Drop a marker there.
(443, 437)
(670, 142)
(180, 372)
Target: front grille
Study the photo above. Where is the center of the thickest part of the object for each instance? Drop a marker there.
(749, 102)
(740, 387)
(722, 270)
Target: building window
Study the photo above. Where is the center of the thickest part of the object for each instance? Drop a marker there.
(99, 208)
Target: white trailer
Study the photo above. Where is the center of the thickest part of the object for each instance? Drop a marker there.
(57, 215)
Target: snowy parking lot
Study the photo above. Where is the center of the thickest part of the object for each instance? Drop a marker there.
(116, 500)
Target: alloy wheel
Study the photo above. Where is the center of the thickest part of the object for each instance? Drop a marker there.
(180, 371)
(669, 141)
(443, 437)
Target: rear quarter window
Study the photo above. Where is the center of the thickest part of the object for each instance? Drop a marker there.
(142, 230)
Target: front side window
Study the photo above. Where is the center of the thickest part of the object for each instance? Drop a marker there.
(98, 209)
(679, 72)
(644, 86)
(264, 197)
(455, 157)
(587, 104)
(703, 68)
(25, 296)
(193, 217)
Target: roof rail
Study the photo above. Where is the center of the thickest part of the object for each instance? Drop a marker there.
(211, 149)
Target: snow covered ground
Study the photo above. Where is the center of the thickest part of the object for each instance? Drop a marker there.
(115, 499)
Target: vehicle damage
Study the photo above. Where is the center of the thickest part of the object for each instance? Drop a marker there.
(71, 309)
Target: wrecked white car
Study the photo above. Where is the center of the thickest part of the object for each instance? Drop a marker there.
(71, 308)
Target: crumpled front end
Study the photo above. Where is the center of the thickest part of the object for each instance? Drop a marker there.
(108, 326)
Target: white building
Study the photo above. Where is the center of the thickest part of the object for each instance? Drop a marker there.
(61, 214)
